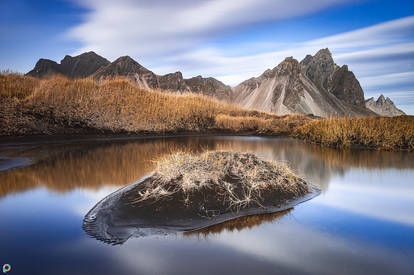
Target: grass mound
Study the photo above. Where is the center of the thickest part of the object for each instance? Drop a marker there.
(216, 182)
(188, 192)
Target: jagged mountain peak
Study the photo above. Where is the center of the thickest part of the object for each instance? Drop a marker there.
(289, 64)
(324, 53)
(383, 106)
(126, 60)
(79, 66)
(123, 66)
(90, 54)
(315, 85)
(319, 68)
(381, 99)
(45, 67)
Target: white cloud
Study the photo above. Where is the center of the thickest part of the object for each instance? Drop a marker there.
(156, 28)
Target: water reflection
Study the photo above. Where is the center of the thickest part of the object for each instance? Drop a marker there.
(64, 167)
(362, 224)
(238, 224)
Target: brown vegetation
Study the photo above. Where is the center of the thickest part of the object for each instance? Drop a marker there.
(218, 181)
(385, 133)
(58, 105)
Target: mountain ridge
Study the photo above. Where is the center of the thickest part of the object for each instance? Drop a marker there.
(383, 106)
(99, 68)
(298, 87)
(316, 85)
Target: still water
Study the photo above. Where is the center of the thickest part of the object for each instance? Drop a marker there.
(362, 223)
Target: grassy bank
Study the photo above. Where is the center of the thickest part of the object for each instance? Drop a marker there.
(60, 106)
(372, 132)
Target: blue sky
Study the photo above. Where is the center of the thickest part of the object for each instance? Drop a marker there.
(229, 40)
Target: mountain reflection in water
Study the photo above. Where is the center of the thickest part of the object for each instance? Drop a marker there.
(91, 165)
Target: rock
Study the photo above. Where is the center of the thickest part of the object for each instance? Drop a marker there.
(319, 69)
(79, 66)
(346, 87)
(383, 106)
(209, 86)
(82, 65)
(125, 66)
(45, 67)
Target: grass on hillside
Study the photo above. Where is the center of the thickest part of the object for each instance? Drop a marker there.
(58, 105)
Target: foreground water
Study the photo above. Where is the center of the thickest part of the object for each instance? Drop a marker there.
(362, 223)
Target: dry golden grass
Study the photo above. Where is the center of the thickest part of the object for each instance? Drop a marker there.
(385, 133)
(16, 86)
(238, 180)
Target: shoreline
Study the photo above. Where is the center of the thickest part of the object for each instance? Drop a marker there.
(10, 143)
(75, 137)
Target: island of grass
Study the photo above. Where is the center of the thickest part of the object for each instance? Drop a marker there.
(188, 192)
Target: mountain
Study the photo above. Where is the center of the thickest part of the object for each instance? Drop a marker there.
(92, 65)
(45, 67)
(328, 76)
(316, 85)
(383, 107)
(82, 65)
(79, 66)
(127, 67)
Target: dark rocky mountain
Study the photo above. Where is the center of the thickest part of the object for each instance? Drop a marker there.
(92, 65)
(82, 65)
(209, 86)
(316, 85)
(326, 75)
(45, 67)
(383, 106)
(127, 67)
(79, 66)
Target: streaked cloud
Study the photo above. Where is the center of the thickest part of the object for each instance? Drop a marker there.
(158, 28)
(168, 36)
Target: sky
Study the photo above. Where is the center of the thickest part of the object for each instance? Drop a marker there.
(229, 40)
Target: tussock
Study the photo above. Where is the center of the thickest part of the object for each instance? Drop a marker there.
(219, 181)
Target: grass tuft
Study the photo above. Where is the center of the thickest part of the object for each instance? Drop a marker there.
(220, 179)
